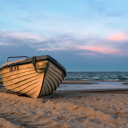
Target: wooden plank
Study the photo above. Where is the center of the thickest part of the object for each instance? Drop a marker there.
(51, 65)
(13, 77)
(33, 90)
(17, 72)
(6, 83)
(56, 77)
(48, 83)
(45, 87)
(35, 94)
(54, 80)
(51, 83)
(24, 66)
(24, 81)
(56, 73)
(30, 89)
(15, 88)
(42, 92)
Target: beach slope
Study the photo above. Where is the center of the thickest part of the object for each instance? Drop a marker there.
(64, 109)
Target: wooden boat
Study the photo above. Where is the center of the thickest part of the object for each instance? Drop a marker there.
(34, 77)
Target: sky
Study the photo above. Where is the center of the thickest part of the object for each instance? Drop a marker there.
(84, 35)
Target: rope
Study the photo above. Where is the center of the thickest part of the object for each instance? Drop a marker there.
(36, 68)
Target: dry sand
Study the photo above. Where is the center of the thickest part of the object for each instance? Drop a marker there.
(65, 110)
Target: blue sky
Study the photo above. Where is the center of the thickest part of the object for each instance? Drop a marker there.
(85, 35)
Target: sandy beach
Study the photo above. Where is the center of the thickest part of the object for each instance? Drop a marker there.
(65, 109)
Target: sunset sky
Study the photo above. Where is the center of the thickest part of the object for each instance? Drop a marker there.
(83, 35)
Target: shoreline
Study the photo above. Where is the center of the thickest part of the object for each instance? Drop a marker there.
(96, 80)
(96, 91)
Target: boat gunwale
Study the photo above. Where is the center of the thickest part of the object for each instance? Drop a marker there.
(38, 58)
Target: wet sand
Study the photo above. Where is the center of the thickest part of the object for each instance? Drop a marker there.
(82, 86)
(66, 109)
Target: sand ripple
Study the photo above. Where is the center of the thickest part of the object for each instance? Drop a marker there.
(66, 110)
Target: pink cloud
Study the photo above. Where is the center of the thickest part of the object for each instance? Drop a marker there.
(41, 49)
(98, 49)
(103, 50)
(93, 46)
(118, 37)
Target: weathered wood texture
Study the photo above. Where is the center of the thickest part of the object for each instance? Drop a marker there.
(23, 79)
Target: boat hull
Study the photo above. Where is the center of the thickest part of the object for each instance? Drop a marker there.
(23, 79)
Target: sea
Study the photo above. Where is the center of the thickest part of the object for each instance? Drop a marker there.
(102, 76)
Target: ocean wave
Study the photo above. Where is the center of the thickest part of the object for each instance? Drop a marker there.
(116, 76)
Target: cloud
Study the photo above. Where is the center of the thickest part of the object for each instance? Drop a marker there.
(93, 45)
(118, 37)
(101, 49)
(66, 43)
